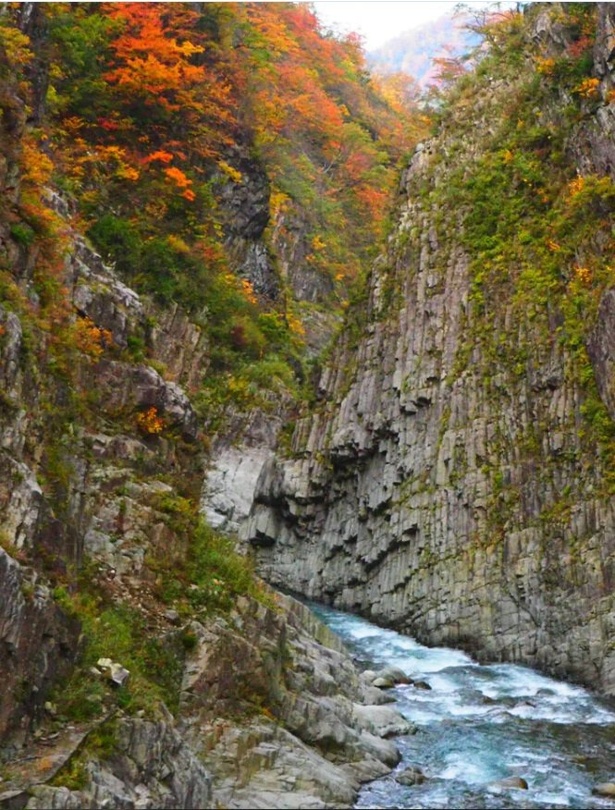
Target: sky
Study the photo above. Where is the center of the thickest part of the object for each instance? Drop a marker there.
(380, 20)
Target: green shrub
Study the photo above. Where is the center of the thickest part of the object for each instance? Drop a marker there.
(246, 338)
(273, 373)
(219, 573)
(23, 234)
(118, 242)
(118, 632)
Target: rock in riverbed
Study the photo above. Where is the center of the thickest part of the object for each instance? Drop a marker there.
(515, 782)
(606, 789)
(410, 776)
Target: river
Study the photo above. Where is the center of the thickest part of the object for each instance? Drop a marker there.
(479, 724)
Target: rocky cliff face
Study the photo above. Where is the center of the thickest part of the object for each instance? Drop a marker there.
(453, 481)
(62, 492)
(101, 466)
(268, 707)
(314, 733)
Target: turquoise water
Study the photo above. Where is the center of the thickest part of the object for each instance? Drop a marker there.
(479, 724)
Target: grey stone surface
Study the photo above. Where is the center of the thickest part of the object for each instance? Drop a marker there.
(320, 738)
(602, 350)
(151, 767)
(438, 490)
(230, 485)
(315, 740)
(606, 789)
(410, 776)
(38, 644)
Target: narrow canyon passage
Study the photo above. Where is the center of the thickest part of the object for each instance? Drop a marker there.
(481, 724)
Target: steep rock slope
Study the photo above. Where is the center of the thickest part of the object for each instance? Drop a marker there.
(455, 477)
(273, 714)
(234, 694)
(223, 691)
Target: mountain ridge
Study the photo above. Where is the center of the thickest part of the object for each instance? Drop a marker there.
(413, 52)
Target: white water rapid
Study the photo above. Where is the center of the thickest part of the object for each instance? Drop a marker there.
(480, 724)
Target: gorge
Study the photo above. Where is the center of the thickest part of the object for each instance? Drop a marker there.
(270, 331)
(453, 480)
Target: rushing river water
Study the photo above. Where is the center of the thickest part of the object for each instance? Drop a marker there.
(479, 724)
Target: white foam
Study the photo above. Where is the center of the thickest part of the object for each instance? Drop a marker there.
(563, 713)
(422, 660)
(469, 710)
(420, 716)
(365, 632)
(468, 769)
(442, 683)
(519, 681)
(554, 800)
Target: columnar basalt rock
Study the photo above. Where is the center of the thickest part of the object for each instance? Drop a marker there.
(440, 487)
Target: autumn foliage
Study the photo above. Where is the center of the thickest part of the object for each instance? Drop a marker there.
(149, 422)
(172, 87)
(148, 110)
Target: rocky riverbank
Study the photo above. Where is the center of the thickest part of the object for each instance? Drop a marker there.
(273, 713)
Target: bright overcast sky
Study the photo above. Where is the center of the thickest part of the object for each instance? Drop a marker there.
(380, 20)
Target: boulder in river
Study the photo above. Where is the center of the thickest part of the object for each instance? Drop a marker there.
(386, 678)
(516, 782)
(383, 683)
(606, 789)
(410, 776)
(395, 674)
(382, 721)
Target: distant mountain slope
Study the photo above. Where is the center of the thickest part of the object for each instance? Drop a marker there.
(413, 51)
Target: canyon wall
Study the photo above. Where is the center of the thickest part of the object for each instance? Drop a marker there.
(454, 479)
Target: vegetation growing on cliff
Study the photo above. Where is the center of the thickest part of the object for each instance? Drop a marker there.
(537, 230)
(183, 136)
(151, 118)
(180, 137)
(150, 134)
(532, 209)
